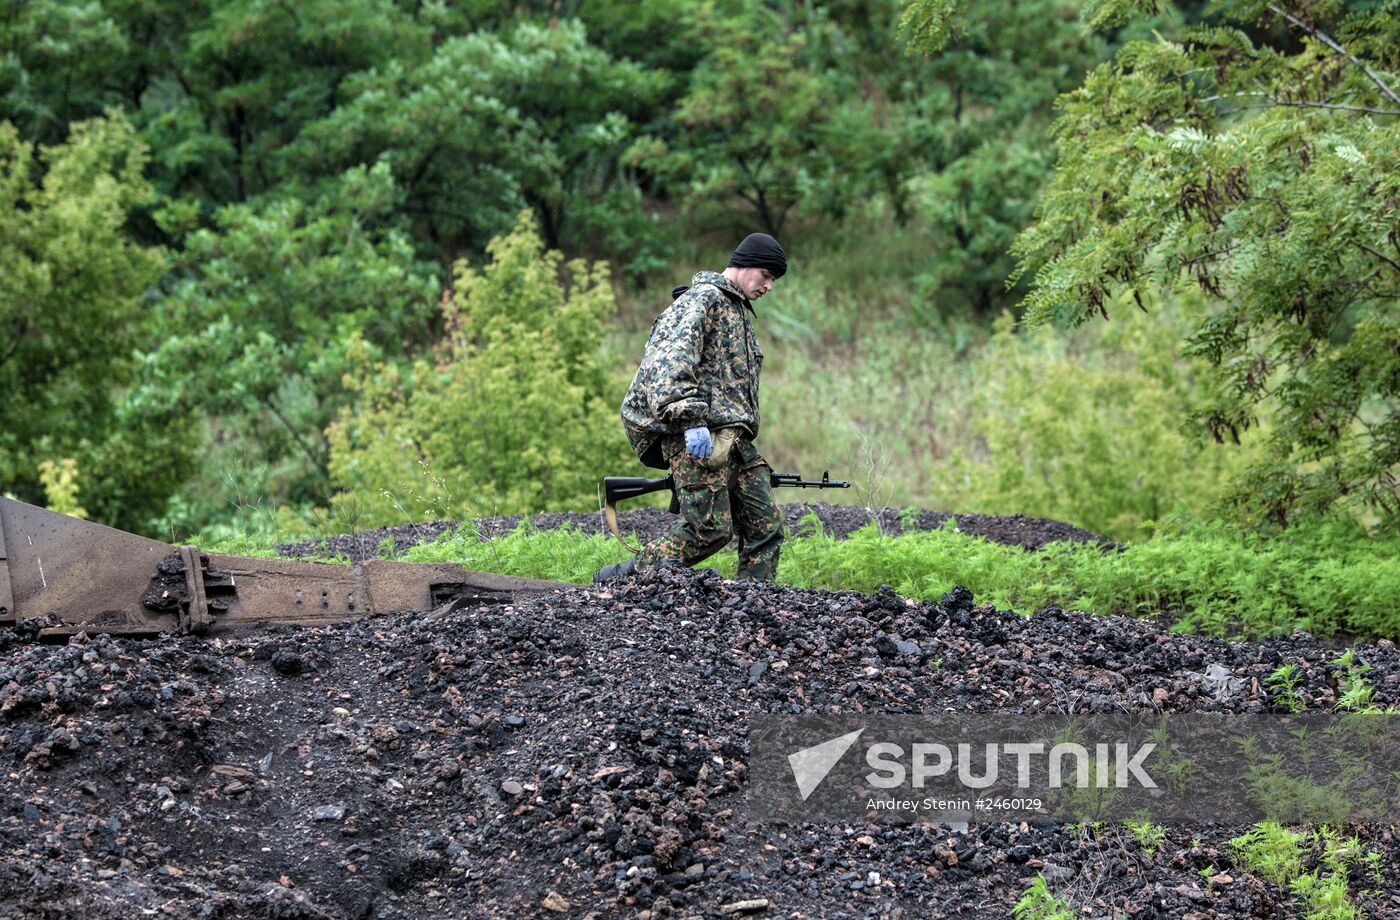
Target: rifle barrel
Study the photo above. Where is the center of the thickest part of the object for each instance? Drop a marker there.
(795, 481)
(621, 488)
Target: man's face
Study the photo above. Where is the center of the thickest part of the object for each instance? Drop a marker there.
(754, 282)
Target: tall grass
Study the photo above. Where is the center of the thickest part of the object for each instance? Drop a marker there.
(1087, 426)
(884, 413)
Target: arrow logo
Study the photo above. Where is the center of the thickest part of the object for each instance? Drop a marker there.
(811, 765)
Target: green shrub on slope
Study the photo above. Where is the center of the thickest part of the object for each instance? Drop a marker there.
(516, 412)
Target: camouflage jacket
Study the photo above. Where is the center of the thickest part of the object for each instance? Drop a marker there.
(701, 367)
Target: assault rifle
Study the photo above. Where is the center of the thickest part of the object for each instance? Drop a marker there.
(621, 488)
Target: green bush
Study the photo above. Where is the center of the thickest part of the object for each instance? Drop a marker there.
(1278, 855)
(1082, 427)
(1086, 428)
(516, 411)
(1149, 836)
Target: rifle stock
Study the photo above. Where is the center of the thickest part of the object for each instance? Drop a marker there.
(621, 488)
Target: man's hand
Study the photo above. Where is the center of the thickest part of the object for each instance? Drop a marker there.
(698, 443)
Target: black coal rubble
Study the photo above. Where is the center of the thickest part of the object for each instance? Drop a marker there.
(582, 753)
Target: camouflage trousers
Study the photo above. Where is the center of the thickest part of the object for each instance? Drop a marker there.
(715, 505)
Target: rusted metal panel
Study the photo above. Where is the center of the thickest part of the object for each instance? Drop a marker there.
(401, 586)
(78, 571)
(86, 577)
(291, 591)
(7, 598)
(53, 634)
(287, 591)
(194, 614)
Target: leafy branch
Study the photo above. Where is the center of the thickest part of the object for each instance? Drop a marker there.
(1331, 43)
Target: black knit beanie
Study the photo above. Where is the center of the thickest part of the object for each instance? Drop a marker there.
(759, 250)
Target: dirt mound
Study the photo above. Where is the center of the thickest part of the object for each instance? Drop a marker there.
(648, 523)
(583, 754)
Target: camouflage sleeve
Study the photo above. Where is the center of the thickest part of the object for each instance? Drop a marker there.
(678, 394)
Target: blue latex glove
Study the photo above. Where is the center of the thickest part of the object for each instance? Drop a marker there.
(698, 443)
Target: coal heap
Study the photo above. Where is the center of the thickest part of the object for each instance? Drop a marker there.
(583, 753)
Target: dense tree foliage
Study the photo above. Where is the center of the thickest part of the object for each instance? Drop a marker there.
(491, 123)
(72, 306)
(312, 171)
(995, 80)
(260, 311)
(230, 224)
(1258, 159)
(772, 119)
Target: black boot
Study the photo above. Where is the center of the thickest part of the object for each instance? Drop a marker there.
(618, 570)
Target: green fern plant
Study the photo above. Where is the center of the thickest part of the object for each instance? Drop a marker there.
(1272, 851)
(1324, 897)
(1356, 695)
(1037, 903)
(1282, 685)
(1149, 836)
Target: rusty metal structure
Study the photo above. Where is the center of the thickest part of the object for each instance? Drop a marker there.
(85, 577)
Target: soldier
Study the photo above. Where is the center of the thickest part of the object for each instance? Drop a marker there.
(693, 409)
